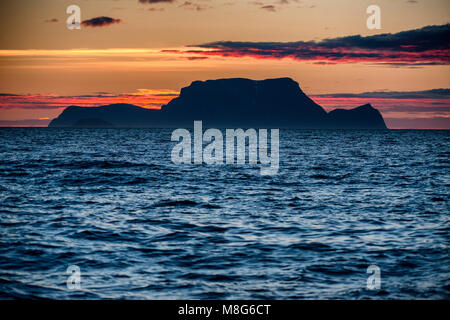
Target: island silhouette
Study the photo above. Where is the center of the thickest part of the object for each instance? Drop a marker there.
(227, 103)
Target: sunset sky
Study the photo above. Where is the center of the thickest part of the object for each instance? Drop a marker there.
(144, 51)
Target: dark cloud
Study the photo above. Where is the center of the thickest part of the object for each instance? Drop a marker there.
(194, 6)
(195, 58)
(100, 22)
(156, 1)
(428, 45)
(269, 8)
(413, 65)
(411, 110)
(427, 94)
(275, 5)
(191, 5)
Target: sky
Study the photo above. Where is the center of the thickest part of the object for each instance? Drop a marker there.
(144, 51)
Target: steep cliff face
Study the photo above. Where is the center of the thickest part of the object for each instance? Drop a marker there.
(247, 103)
(230, 103)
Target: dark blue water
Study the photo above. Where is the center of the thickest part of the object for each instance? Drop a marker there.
(111, 202)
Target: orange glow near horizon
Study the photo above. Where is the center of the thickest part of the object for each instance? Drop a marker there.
(323, 45)
(145, 98)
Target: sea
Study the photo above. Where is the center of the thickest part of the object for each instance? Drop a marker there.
(105, 214)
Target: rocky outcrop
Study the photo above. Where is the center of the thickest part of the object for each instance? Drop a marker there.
(232, 103)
